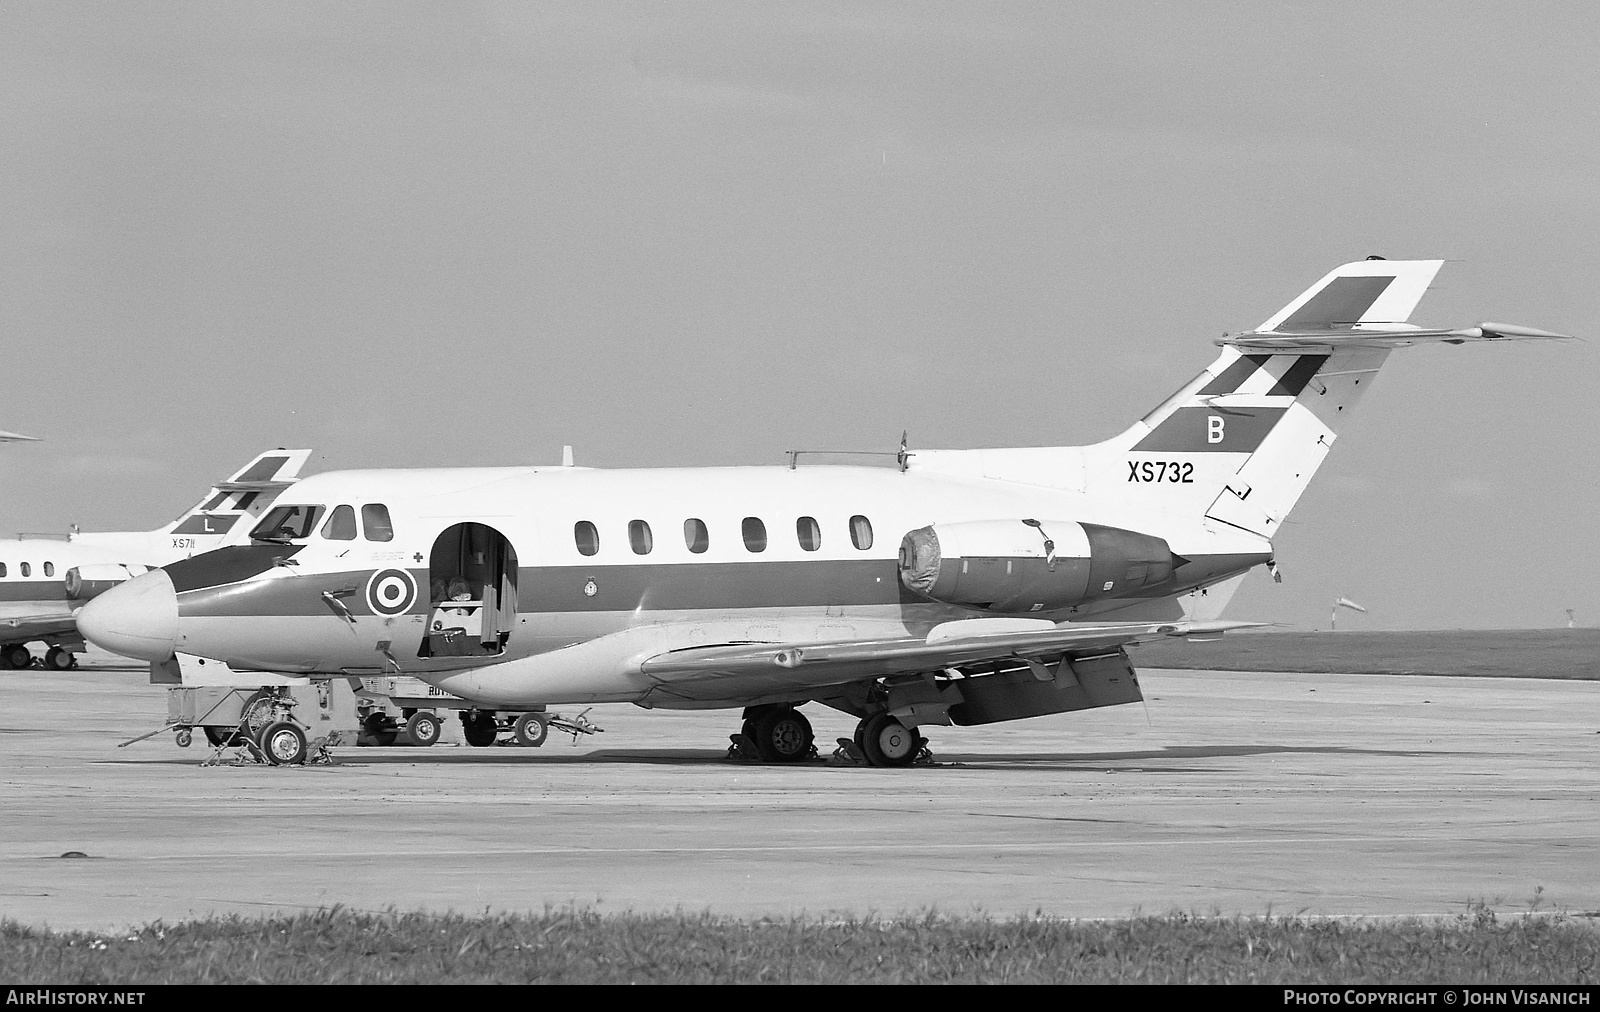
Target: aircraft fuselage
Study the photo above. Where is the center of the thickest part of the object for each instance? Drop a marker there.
(465, 569)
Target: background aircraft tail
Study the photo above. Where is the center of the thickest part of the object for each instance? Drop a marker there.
(229, 507)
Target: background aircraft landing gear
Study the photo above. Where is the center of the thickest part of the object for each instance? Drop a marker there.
(57, 659)
(887, 742)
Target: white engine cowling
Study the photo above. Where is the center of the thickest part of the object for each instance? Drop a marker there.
(1022, 566)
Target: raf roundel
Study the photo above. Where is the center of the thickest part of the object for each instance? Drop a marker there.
(391, 591)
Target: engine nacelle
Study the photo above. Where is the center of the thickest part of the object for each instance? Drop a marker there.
(85, 582)
(1012, 566)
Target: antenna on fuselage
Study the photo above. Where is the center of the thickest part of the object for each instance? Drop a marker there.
(566, 456)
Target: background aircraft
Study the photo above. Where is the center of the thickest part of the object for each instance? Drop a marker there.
(16, 437)
(964, 586)
(44, 581)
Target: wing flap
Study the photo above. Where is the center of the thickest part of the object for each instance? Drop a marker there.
(811, 665)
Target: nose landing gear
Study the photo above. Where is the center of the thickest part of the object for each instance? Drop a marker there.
(283, 743)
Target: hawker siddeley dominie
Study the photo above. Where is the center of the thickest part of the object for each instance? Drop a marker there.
(962, 587)
(45, 581)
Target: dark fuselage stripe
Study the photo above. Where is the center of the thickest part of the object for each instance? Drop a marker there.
(33, 590)
(712, 586)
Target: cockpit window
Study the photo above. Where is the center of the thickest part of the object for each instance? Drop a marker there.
(375, 521)
(341, 525)
(287, 523)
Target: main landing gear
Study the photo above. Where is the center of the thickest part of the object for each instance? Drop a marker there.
(884, 741)
(779, 733)
(776, 734)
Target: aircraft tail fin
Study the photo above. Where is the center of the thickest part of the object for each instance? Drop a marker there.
(1242, 440)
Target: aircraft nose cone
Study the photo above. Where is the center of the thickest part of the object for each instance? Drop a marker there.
(138, 618)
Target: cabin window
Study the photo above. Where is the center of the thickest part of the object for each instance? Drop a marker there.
(695, 536)
(49, 569)
(375, 521)
(2, 570)
(755, 534)
(287, 523)
(639, 537)
(25, 569)
(861, 532)
(809, 532)
(586, 537)
(341, 525)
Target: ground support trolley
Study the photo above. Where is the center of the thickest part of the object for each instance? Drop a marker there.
(392, 706)
(281, 725)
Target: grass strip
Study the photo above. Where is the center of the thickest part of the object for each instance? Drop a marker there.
(340, 946)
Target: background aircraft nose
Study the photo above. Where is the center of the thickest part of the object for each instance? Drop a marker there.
(136, 619)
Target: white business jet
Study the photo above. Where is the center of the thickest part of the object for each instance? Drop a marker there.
(963, 587)
(44, 581)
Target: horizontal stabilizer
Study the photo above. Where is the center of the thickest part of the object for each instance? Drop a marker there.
(1370, 336)
(17, 437)
(275, 469)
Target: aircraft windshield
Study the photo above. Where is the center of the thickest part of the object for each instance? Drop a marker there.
(287, 523)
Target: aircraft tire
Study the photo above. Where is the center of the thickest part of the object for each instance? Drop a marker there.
(530, 730)
(379, 728)
(219, 736)
(422, 728)
(783, 736)
(479, 728)
(887, 742)
(283, 744)
(17, 656)
(57, 659)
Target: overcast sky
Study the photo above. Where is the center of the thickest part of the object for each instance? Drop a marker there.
(708, 233)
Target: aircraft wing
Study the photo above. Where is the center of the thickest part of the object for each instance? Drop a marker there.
(726, 670)
(22, 628)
